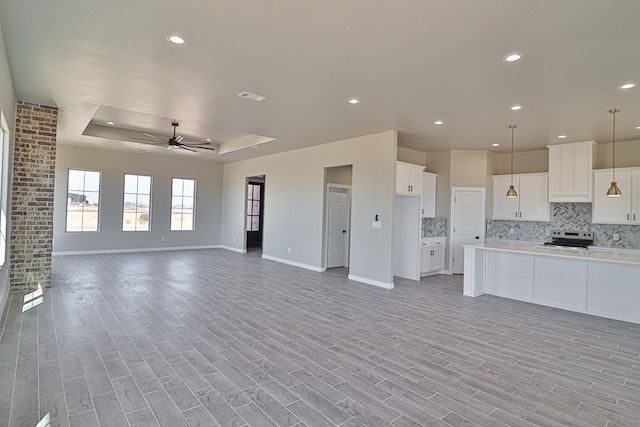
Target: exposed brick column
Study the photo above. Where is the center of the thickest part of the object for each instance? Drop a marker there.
(34, 162)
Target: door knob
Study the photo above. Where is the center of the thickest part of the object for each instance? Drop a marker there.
(344, 231)
(477, 237)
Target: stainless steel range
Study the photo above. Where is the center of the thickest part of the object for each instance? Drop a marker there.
(570, 239)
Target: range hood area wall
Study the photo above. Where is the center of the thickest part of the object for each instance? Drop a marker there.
(567, 216)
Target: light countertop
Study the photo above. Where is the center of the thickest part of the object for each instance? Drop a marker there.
(593, 253)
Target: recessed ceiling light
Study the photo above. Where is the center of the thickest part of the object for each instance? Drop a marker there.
(176, 39)
(637, 127)
(110, 123)
(495, 144)
(354, 101)
(515, 107)
(629, 85)
(512, 57)
(562, 136)
(438, 122)
(208, 139)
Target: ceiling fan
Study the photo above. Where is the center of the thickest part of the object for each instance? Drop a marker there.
(177, 141)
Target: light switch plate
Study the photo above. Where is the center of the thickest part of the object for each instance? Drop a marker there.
(376, 224)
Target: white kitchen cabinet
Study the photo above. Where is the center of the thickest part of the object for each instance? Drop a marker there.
(570, 172)
(432, 255)
(428, 195)
(617, 210)
(409, 179)
(532, 202)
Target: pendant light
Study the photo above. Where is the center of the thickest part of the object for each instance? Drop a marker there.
(512, 191)
(614, 191)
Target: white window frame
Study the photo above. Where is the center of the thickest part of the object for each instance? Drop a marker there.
(4, 184)
(173, 206)
(137, 194)
(66, 223)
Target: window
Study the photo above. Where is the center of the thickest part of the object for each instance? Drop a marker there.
(83, 196)
(4, 179)
(183, 198)
(136, 209)
(253, 207)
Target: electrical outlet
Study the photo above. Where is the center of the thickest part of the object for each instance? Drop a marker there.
(289, 250)
(616, 236)
(512, 230)
(547, 233)
(234, 240)
(162, 239)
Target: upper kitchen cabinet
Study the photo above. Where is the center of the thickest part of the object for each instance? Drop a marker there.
(532, 202)
(570, 172)
(624, 209)
(428, 195)
(409, 179)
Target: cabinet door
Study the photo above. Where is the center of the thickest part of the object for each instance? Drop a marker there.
(611, 210)
(403, 178)
(534, 198)
(570, 168)
(503, 206)
(437, 259)
(425, 259)
(416, 180)
(428, 195)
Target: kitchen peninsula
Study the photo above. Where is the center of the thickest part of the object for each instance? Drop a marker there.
(594, 281)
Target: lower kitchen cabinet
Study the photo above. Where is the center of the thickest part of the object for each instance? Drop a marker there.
(432, 255)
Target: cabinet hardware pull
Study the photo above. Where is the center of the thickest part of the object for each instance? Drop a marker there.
(627, 217)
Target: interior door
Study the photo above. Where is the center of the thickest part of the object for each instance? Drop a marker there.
(468, 223)
(338, 228)
(255, 216)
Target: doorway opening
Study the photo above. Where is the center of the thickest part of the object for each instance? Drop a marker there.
(254, 221)
(337, 236)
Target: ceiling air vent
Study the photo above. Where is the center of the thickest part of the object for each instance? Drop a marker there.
(252, 96)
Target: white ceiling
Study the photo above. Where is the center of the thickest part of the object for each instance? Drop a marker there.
(410, 62)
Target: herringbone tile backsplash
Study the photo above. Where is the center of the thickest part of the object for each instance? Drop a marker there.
(434, 227)
(566, 216)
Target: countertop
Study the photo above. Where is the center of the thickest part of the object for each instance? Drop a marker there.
(593, 253)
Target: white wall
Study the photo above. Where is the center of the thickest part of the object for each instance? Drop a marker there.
(8, 107)
(114, 165)
(294, 203)
(340, 175)
(411, 156)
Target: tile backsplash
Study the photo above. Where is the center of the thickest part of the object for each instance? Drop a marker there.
(434, 227)
(564, 216)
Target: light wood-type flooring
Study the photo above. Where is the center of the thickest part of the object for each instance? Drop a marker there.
(212, 337)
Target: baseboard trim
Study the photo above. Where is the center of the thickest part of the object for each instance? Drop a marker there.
(119, 251)
(371, 282)
(232, 249)
(295, 264)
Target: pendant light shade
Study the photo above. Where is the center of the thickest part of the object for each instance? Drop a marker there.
(512, 191)
(614, 190)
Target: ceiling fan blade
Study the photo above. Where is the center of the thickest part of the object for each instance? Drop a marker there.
(184, 147)
(179, 138)
(146, 141)
(154, 137)
(194, 143)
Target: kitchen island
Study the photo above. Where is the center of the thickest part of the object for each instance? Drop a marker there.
(595, 281)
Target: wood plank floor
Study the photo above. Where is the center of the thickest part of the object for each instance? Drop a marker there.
(212, 337)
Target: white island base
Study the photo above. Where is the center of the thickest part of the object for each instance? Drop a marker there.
(599, 282)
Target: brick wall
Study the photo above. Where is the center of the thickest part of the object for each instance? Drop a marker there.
(34, 159)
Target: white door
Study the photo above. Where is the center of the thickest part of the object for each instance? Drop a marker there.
(338, 227)
(467, 225)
